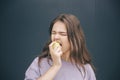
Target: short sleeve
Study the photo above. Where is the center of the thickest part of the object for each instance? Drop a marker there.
(33, 72)
(90, 75)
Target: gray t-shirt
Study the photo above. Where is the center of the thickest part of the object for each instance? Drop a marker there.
(68, 71)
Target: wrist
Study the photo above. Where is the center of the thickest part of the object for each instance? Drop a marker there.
(57, 66)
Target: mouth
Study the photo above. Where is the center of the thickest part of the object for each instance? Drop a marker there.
(55, 44)
(60, 44)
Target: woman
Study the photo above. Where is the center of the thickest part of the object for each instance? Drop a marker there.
(65, 56)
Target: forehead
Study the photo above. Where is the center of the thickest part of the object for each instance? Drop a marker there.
(59, 26)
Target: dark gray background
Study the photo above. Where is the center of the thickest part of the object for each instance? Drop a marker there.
(24, 30)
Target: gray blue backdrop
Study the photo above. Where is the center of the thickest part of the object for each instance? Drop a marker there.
(24, 30)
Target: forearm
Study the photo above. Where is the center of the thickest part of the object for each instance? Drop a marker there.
(50, 74)
(55, 53)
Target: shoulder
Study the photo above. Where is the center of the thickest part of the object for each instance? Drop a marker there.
(36, 67)
(42, 61)
(32, 72)
(35, 60)
(88, 67)
(89, 72)
(36, 64)
(44, 65)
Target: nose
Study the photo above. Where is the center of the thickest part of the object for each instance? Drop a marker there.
(56, 37)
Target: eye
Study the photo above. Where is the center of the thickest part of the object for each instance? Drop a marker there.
(63, 33)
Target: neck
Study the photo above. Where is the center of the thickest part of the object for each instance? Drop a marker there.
(66, 56)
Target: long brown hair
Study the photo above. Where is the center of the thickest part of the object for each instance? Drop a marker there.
(79, 52)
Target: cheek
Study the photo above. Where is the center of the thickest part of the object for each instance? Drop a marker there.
(66, 47)
(67, 44)
(51, 38)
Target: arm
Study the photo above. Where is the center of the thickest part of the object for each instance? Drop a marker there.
(56, 57)
(50, 74)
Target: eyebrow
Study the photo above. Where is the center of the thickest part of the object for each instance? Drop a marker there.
(60, 31)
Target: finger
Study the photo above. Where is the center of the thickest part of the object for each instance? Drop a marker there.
(50, 46)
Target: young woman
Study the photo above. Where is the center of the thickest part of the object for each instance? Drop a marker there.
(65, 56)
